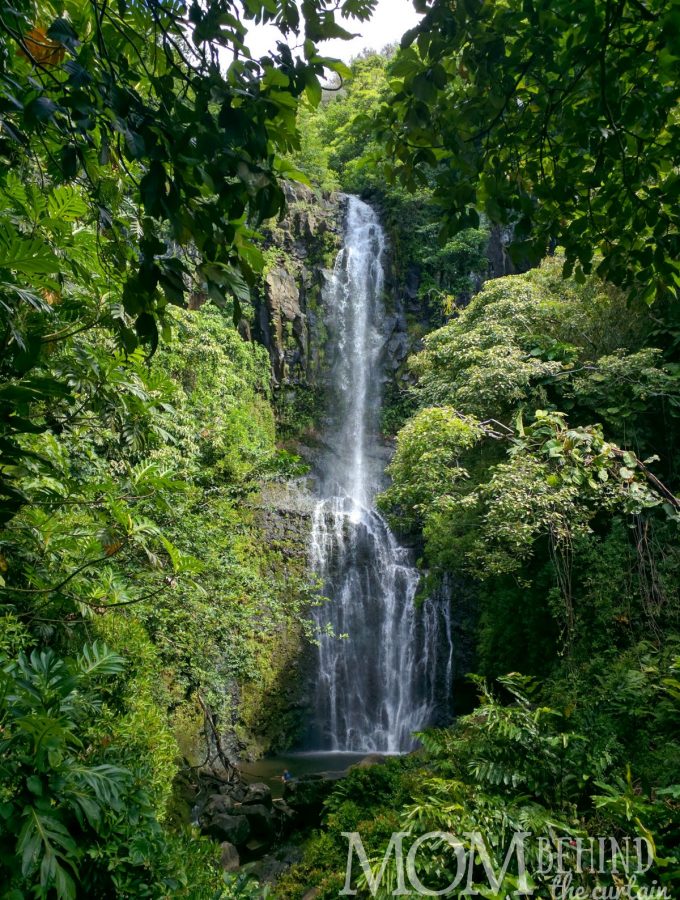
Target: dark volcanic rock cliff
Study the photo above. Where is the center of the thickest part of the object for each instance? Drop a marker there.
(290, 314)
(300, 248)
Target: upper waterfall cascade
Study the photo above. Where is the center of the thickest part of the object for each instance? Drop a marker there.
(382, 665)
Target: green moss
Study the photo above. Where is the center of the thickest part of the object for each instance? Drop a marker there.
(270, 718)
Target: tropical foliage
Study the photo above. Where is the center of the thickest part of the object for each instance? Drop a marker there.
(134, 529)
(142, 153)
(529, 470)
(528, 454)
(74, 819)
(340, 149)
(140, 146)
(516, 766)
(557, 118)
(540, 464)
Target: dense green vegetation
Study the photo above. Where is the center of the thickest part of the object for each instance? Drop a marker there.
(558, 118)
(517, 765)
(136, 591)
(537, 462)
(136, 532)
(536, 429)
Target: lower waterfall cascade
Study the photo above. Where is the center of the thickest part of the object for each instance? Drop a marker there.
(384, 663)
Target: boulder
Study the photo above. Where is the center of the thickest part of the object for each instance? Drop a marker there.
(229, 857)
(283, 811)
(270, 867)
(232, 829)
(305, 796)
(218, 805)
(261, 821)
(373, 759)
(256, 847)
(258, 794)
(236, 791)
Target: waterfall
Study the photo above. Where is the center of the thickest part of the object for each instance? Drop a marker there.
(381, 660)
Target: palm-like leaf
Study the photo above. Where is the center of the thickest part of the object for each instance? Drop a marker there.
(44, 842)
(97, 659)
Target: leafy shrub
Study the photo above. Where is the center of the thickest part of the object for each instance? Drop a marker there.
(73, 819)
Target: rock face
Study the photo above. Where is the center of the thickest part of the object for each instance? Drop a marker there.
(300, 247)
(284, 323)
(500, 263)
(291, 320)
(283, 512)
(229, 857)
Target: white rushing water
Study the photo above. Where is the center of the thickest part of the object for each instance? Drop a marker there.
(378, 684)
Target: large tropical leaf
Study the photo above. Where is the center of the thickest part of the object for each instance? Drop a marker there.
(45, 842)
(65, 204)
(26, 255)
